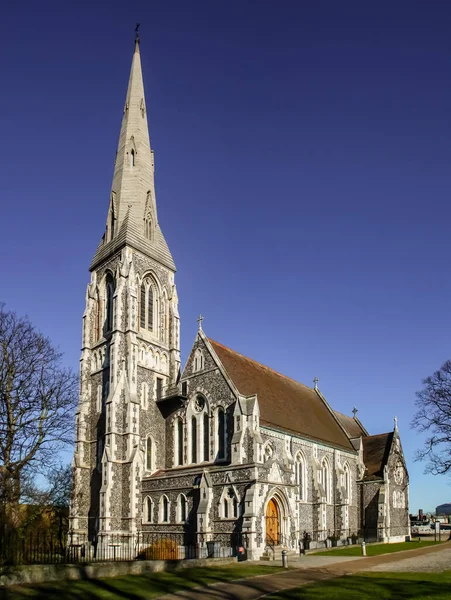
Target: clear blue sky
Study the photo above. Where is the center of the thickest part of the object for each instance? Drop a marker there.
(303, 158)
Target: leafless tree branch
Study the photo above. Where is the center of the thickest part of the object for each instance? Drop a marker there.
(434, 417)
(38, 397)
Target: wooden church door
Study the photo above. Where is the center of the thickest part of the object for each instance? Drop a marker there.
(272, 523)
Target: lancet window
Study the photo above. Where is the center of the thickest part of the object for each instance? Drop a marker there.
(182, 508)
(149, 454)
(179, 441)
(146, 306)
(301, 475)
(148, 510)
(109, 302)
(193, 439)
(206, 437)
(221, 433)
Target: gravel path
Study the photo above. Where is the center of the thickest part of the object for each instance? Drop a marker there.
(438, 561)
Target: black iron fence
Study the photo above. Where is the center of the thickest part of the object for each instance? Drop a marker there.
(44, 548)
(326, 538)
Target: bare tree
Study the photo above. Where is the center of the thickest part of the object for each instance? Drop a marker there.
(434, 417)
(37, 406)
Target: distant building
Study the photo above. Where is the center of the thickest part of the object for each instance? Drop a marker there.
(443, 509)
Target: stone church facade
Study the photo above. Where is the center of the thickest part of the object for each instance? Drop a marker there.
(226, 450)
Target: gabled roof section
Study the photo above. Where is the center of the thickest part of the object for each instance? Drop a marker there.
(284, 403)
(376, 450)
(351, 425)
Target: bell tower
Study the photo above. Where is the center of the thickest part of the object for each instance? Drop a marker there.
(130, 340)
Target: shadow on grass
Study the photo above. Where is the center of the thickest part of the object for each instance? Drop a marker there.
(134, 587)
(430, 586)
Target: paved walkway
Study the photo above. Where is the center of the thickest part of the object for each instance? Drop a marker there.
(435, 562)
(313, 570)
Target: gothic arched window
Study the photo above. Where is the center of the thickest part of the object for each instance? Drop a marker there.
(148, 510)
(182, 508)
(180, 441)
(193, 439)
(109, 302)
(325, 479)
(347, 482)
(146, 305)
(164, 509)
(206, 437)
(221, 433)
(97, 318)
(132, 158)
(149, 454)
(301, 476)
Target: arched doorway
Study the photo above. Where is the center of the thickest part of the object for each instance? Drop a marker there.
(272, 523)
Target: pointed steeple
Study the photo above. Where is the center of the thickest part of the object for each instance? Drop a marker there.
(132, 214)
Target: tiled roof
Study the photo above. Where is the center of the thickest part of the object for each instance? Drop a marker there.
(284, 403)
(376, 449)
(351, 426)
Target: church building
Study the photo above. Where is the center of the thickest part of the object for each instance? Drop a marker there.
(225, 450)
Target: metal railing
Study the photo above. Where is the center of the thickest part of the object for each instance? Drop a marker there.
(44, 548)
(318, 538)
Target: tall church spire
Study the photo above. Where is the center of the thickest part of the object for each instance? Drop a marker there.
(132, 214)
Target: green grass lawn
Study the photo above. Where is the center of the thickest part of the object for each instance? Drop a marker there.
(136, 587)
(376, 549)
(375, 586)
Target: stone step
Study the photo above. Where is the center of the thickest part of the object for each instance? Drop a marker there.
(277, 554)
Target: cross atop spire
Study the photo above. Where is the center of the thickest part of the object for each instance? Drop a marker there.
(355, 411)
(315, 383)
(395, 420)
(199, 322)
